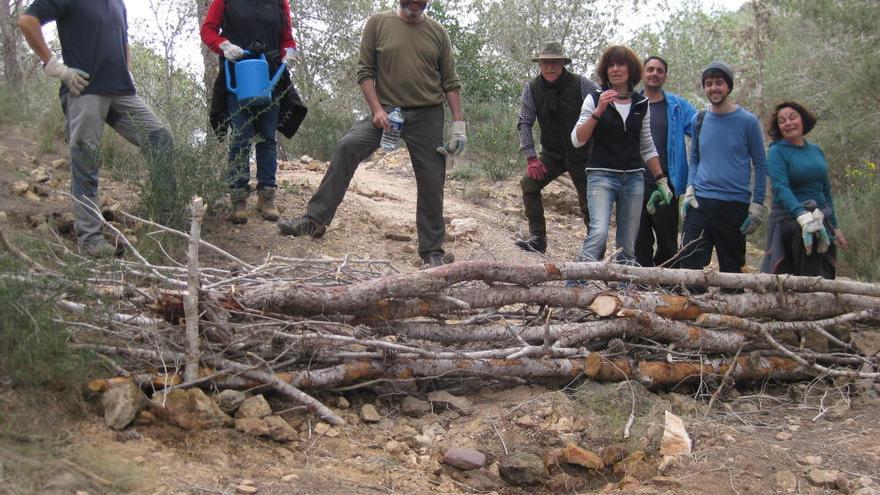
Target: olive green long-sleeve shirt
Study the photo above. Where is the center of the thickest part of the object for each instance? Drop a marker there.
(411, 64)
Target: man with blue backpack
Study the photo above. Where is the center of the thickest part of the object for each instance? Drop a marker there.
(718, 206)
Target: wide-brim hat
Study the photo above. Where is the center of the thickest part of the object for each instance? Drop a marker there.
(552, 51)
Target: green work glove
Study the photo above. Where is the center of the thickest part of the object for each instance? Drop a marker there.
(757, 213)
(687, 200)
(662, 196)
(75, 79)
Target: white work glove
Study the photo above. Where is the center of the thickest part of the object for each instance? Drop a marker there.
(457, 139)
(687, 200)
(812, 225)
(75, 79)
(291, 55)
(231, 51)
(757, 213)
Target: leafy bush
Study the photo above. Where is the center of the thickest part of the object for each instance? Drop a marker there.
(855, 207)
(33, 348)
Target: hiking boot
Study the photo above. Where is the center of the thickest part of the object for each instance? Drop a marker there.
(534, 244)
(100, 248)
(266, 203)
(433, 260)
(303, 225)
(238, 198)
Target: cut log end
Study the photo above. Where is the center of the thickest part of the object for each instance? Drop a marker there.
(606, 305)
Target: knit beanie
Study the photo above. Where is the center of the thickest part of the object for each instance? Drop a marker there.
(723, 68)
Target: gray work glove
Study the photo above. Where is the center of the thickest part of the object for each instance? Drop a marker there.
(291, 55)
(231, 51)
(457, 139)
(812, 224)
(75, 79)
(757, 213)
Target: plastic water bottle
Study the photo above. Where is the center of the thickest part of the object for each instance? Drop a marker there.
(391, 137)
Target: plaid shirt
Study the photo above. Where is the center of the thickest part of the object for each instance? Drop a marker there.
(528, 115)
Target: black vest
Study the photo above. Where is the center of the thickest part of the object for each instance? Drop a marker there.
(557, 108)
(616, 146)
(254, 24)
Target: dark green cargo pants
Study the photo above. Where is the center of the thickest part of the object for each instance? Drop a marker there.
(423, 133)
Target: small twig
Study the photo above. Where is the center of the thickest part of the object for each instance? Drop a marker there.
(81, 470)
(724, 379)
(494, 427)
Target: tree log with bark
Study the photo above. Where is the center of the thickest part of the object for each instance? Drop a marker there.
(299, 324)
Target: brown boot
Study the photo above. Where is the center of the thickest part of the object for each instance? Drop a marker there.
(266, 203)
(238, 198)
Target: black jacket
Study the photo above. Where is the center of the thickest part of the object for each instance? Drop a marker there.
(557, 108)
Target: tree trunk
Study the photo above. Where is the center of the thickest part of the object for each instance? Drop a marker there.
(209, 58)
(290, 298)
(11, 41)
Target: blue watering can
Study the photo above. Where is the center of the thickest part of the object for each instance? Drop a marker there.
(252, 79)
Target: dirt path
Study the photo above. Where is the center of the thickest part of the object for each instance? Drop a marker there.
(756, 441)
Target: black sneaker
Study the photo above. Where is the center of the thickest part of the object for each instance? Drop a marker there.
(303, 225)
(534, 244)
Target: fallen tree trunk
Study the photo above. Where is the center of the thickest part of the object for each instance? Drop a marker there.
(594, 367)
(786, 306)
(296, 297)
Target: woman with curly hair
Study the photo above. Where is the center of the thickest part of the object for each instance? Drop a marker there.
(802, 229)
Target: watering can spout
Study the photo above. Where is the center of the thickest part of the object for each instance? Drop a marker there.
(277, 77)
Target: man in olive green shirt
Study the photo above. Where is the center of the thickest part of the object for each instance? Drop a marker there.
(405, 61)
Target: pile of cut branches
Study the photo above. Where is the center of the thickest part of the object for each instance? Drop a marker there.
(305, 324)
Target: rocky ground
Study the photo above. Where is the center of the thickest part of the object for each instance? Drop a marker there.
(470, 434)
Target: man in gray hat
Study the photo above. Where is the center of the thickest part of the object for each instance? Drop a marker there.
(554, 99)
(718, 205)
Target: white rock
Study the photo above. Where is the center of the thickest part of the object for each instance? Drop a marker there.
(783, 436)
(463, 226)
(676, 440)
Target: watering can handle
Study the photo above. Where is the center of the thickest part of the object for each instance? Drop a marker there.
(228, 76)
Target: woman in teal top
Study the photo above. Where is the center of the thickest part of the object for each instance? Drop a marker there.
(802, 229)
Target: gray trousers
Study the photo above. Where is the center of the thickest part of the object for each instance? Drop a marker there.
(423, 133)
(134, 121)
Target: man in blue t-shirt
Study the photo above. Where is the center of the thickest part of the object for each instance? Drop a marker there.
(718, 207)
(96, 88)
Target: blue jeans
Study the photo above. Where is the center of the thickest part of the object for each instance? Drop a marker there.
(604, 188)
(245, 121)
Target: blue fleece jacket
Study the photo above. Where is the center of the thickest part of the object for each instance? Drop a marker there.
(679, 121)
(730, 146)
(797, 174)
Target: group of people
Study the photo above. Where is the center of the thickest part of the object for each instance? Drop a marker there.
(627, 148)
(620, 146)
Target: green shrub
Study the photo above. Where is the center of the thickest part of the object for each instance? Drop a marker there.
(326, 122)
(856, 215)
(493, 142)
(33, 347)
